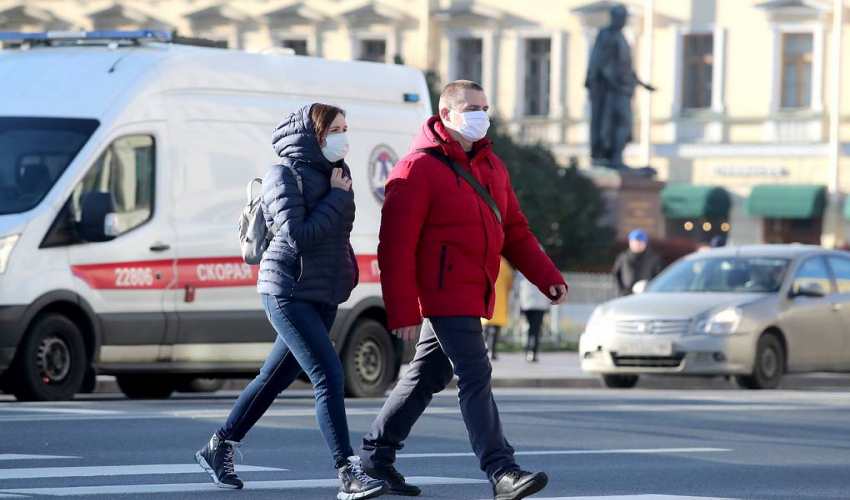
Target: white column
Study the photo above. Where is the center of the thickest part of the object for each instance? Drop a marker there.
(393, 43)
(837, 228)
(490, 67)
(519, 85)
(817, 68)
(718, 78)
(646, 74)
(557, 106)
(678, 80)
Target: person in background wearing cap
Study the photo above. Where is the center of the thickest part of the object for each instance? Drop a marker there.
(637, 263)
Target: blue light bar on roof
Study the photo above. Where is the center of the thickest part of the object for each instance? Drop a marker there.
(149, 35)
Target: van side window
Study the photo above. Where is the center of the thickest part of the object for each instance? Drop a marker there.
(123, 178)
(813, 273)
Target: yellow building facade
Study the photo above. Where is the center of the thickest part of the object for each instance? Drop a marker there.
(741, 111)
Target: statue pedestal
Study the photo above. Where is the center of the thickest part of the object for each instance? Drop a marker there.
(633, 200)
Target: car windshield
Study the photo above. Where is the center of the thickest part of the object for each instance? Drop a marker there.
(723, 275)
(33, 154)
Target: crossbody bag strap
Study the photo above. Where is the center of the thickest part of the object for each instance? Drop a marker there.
(469, 178)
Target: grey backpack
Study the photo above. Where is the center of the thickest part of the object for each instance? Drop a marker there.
(254, 236)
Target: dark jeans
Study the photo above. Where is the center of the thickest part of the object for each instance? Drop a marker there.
(445, 343)
(535, 324)
(302, 342)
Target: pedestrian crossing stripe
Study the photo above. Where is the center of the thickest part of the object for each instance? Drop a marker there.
(201, 487)
(12, 456)
(115, 470)
(635, 497)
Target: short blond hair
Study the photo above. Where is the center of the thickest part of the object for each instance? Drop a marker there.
(454, 91)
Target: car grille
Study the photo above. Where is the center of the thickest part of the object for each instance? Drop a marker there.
(649, 361)
(653, 327)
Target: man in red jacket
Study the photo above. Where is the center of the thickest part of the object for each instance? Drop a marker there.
(439, 255)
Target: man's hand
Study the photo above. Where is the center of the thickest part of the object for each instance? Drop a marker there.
(411, 333)
(560, 294)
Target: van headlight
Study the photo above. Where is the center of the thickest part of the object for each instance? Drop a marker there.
(722, 322)
(7, 244)
(599, 322)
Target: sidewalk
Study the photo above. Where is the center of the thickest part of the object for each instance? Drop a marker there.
(563, 370)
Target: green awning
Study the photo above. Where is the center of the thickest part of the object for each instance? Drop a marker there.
(847, 208)
(694, 202)
(785, 201)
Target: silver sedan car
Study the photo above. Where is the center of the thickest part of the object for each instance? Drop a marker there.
(754, 313)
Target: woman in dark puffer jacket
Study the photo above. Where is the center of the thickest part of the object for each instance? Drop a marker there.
(308, 269)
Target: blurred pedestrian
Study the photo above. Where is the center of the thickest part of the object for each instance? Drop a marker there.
(637, 263)
(307, 198)
(534, 307)
(442, 235)
(501, 315)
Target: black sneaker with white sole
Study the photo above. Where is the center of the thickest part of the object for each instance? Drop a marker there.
(356, 484)
(395, 480)
(518, 484)
(217, 459)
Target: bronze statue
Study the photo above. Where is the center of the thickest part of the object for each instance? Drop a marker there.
(611, 82)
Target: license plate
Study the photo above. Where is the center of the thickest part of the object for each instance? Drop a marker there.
(643, 348)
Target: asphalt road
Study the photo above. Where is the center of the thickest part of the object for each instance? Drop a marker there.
(640, 445)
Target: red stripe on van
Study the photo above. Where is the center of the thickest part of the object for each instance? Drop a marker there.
(145, 275)
(213, 272)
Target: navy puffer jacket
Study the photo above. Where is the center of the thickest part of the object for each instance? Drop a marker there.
(310, 258)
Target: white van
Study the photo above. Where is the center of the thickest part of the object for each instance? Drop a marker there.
(123, 166)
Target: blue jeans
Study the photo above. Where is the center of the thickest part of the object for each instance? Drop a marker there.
(447, 347)
(302, 341)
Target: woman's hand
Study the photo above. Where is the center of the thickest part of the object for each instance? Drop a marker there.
(339, 180)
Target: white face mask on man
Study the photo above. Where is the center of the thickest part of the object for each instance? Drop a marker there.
(336, 147)
(474, 125)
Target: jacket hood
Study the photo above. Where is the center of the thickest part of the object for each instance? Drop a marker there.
(295, 138)
(433, 134)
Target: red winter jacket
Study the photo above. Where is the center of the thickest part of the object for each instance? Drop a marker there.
(440, 243)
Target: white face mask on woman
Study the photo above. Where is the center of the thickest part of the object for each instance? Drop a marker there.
(336, 147)
(474, 125)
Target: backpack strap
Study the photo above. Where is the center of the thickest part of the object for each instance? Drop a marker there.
(469, 178)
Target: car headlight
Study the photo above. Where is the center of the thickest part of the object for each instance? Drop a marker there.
(723, 322)
(599, 321)
(7, 244)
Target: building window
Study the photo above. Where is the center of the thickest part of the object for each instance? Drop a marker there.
(698, 67)
(797, 57)
(299, 46)
(373, 50)
(469, 59)
(538, 61)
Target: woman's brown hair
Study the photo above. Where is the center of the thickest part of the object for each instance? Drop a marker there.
(323, 116)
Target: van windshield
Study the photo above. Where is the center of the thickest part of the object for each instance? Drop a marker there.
(33, 154)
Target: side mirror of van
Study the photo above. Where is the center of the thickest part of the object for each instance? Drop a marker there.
(640, 287)
(813, 290)
(95, 222)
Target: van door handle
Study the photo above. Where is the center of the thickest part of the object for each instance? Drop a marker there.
(160, 247)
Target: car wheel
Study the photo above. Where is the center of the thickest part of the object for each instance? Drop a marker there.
(146, 386)
(619, 381)
(368, 360)
(51, 362)
(201, 385)
(769, 367)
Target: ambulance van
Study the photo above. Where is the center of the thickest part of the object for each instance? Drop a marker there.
(124, 161)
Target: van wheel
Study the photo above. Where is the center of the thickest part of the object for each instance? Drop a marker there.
(51, 361)
(201, 385)
(619, 381)
(368, 360)
(769, 367)
(146, 386)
